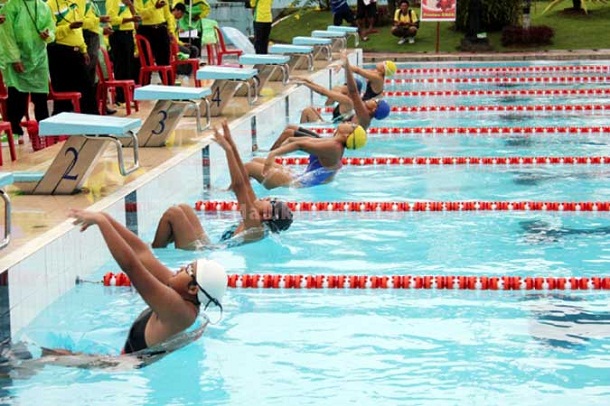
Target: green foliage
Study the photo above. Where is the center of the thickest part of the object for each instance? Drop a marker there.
(496, 14)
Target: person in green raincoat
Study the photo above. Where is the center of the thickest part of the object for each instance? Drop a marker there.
(28, 28)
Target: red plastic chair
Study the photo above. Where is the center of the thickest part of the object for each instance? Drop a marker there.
(74, 97)
(148, 64)
(5, 127)
(221, 49)
(105, 86)
(194, 62)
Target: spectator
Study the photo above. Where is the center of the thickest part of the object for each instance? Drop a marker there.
(342, 11)
(157, 25)
(366, 13)
(405, 23)
(23, 58)
(123, 17)
(68, 58)
(262, 24)
(91, 32)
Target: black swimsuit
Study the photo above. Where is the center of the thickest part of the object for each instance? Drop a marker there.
(369, 93)
(136, 340)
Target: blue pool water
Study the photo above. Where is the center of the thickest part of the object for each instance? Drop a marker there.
(390, 347)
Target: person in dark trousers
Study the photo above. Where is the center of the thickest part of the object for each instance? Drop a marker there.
(262, 24)
(157, 25)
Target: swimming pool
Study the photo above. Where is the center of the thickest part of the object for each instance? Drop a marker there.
(400, 346)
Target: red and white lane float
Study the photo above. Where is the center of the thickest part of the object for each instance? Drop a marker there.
(485, 131)
(504, 80)
(459, 160)
(498, 92)
(434, 206)
(439, 282)
(507, 69)
(556, 108)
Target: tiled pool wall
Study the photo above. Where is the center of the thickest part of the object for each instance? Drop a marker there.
(29, 282)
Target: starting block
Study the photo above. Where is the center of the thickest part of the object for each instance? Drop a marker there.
(75, 161)
(6, 178)
(296, 53)
(227, 80)
(172, 103)
(319, 44)
(266, 65)
(338, 38)
(350, 31)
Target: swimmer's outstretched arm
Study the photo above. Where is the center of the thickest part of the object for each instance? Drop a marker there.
(154, 266)
(241, 186)
(362, 113)
(238, 160)
(163, 300)
(331, 94)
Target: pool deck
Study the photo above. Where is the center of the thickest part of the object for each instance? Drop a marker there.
(34, 218)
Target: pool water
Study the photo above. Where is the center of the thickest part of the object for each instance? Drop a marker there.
(390, 347)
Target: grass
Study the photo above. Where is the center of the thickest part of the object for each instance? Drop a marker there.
(590, 31)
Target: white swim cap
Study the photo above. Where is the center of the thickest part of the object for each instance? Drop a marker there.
(212, 280)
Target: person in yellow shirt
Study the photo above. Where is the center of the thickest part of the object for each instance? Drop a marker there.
(157, 25)
(405, 23)
(68, 58)
(263, 18)
(123, 18)
(91, 33)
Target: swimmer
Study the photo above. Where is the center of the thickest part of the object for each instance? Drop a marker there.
(325, 158)
(174, 302)
(180, 224)
(375, 79)
(365, 111)
(350, 107)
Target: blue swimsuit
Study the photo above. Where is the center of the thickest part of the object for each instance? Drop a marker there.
(315, 174)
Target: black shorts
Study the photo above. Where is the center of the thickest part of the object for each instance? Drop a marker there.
(364, 11)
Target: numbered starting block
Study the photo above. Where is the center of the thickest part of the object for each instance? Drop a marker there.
(6, 178)
(349, 31)
(79, 153)
(267, 65)
(339, 38)
(319, 45)
(296, 53)
(172, 103)
(227, 80)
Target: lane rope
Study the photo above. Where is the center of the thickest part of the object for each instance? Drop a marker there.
(459, 160)
(500, 93)
(573, 130)
(526, 79)
(433, 206)
(493, 108)
(508, 69)
(439, 282)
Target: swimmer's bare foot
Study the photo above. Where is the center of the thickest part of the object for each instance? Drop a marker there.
(46, 352)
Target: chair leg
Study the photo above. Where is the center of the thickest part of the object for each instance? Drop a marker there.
(127, 94)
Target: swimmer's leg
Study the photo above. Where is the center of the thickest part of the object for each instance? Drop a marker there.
(180, 225)
(310, 115)
(278, 176)
(287, 133)
(339, 88)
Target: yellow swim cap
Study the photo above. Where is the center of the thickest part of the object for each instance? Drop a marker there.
(390, 68)
(357, 139)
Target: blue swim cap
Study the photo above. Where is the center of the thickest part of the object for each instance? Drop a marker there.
(383, 110)
(359, 85)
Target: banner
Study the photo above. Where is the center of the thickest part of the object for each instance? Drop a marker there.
(438, 10)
